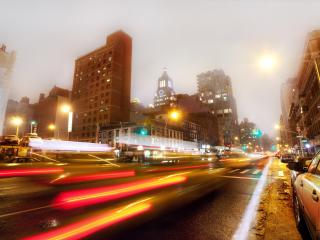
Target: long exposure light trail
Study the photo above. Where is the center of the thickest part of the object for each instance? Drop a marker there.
(93, 177)
(28, 172)
(93, 224)
(79, 198)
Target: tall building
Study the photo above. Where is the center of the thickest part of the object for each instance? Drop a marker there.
(101, 87)
(6, 64)
(165, 95)
(215, 91)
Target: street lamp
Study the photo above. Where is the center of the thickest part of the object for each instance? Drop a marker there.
(17, 121)
(31, 125)
(267, 62)
(277, 126)
(51, 127)
(66, 108)
(173, 115)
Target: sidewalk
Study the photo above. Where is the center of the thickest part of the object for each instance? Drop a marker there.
(275, 217)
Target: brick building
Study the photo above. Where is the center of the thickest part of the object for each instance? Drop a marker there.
(101, 87)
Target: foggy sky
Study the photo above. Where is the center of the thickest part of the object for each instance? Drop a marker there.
(186, 37)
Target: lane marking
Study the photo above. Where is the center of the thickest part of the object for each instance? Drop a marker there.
(256, 172)
(250, 213)
(234, 170)
(24, 211)
(280, 173)
(237, 177)
(244, 171)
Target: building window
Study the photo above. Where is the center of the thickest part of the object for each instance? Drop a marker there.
(162, 83)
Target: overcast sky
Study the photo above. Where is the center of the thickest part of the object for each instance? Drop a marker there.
(186, 37)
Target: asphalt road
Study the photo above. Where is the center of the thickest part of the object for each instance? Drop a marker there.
(214, 216)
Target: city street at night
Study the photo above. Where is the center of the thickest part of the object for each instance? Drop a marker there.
(158, 119)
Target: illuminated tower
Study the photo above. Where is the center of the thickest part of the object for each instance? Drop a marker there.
(6, 63)
(165, 95)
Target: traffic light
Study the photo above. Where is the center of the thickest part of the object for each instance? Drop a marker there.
(142, 131)
(257, 133)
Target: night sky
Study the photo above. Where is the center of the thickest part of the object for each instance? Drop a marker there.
(186, 37)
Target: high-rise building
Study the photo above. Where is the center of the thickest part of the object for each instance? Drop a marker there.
(165, 95)
(101, 87)
(6, 64)
(215, 91)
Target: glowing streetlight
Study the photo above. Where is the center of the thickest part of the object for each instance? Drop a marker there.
(267, 62)
(31, 125)
(65, 108)
(51, 127)
(17, 121)
(277, 126)
(277, 138)
(174, 115)
(236, 138)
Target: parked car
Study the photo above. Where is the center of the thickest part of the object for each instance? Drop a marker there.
(285, 158)
(306, 193)
(9, 140)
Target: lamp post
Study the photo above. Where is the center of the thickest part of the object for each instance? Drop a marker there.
(173, 115)
(52, 128)
(31, 125)
(17, 121)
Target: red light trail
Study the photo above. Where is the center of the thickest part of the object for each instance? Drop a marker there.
(79, 198)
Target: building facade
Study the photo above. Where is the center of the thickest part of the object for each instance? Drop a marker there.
(304, 113)
(203, 124)
(165, 95)
(7, 60)
(22, 109)
(50, 121)
(151, 134)
(101, 87)
(215, 91)
(287, 93)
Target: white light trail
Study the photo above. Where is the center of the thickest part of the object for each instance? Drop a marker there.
(59, 145)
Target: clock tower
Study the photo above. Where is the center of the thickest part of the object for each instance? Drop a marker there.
(165, 95)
